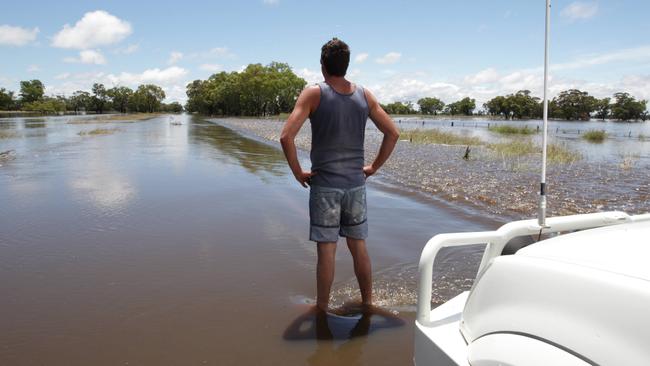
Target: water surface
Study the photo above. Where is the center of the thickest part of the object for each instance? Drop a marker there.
(187, 244)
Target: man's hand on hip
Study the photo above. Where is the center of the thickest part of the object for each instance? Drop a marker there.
(304, 178)
(368, 170)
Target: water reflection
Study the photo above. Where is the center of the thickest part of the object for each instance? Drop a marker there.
(256, 157)
(352, 323)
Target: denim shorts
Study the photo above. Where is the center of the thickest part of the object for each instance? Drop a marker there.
(335, 211)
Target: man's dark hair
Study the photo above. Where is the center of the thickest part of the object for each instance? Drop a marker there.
(335, 57)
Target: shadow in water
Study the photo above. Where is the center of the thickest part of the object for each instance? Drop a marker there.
(256, 157)
(350, 321)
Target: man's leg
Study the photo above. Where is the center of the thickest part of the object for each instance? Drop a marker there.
(325, 273)
(362, 268)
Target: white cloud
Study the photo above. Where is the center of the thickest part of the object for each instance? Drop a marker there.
(361, 58)
(16, 36)
(221, 52)
(171, 79)
(97, 28)
(174, 57)
(310, 76)
(637, 54)
(93, 57)
(271, 2)
(389, 58)
(580, 10)
(489, 75)
(127, 50)
(211, 67)
(33, 68)
(155, 76)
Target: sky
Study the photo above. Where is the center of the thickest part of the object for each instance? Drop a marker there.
(401, 50)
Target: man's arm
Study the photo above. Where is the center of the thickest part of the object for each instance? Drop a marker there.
(386, 125)
(304, 106)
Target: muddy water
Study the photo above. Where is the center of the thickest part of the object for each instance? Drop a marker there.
(161, 244)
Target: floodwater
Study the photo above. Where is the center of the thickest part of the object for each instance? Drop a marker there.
(176, 241)
(624, 139)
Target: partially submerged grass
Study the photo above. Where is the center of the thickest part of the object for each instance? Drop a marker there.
(594, 135)
(511, 130)
(556, 153)
(99, 131)
(7, 134)
(129, 117)
(436, 136)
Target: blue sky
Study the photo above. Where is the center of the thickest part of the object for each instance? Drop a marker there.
(400, 50)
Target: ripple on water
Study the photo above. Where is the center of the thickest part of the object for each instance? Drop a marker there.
(395, 287)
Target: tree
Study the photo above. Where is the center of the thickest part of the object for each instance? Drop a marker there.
(431, 105)
(257, 90)
(399, 108)
(7, 101)
(519, 105)
(147, 98)
(80, 100)
(464, 106)
(627, 108)
(119, 96)
(602, 108)
(99, 99)
(173, 107)
(574, 104)
(31, 91)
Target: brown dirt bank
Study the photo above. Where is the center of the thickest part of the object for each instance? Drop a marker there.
(505, 187)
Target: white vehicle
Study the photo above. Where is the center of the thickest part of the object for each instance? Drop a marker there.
(580, 298)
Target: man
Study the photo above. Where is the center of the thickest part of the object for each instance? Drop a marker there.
(338, 111)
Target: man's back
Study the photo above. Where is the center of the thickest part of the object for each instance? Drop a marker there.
(338, 128)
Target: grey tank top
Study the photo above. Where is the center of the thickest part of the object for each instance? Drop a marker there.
(338, 129)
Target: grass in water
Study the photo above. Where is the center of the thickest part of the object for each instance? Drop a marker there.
(436, 136)
(594, 136)
(556, 153)
(129, 117)
(7, 134)
(511, 130)
(99, 131)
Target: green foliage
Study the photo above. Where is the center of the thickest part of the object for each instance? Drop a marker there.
(398, 108)
(46, 105)
(257, 91)
(573, 104)
(594, 135)
(120, 96)
(31, 91)
(99, 99)
(431, 105)
(436, 136)
(7, 101)
(602, 108)
(173, 107)
(148, 98)
(511, 130)
(464, 106)
(519, 105)
(627, 108)
(80, 100)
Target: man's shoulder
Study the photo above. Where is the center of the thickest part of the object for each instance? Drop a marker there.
(311, 92)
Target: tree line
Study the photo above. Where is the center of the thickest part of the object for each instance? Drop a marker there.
(433, 106)
(258, 90)
(146, 98)
(572, 104)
